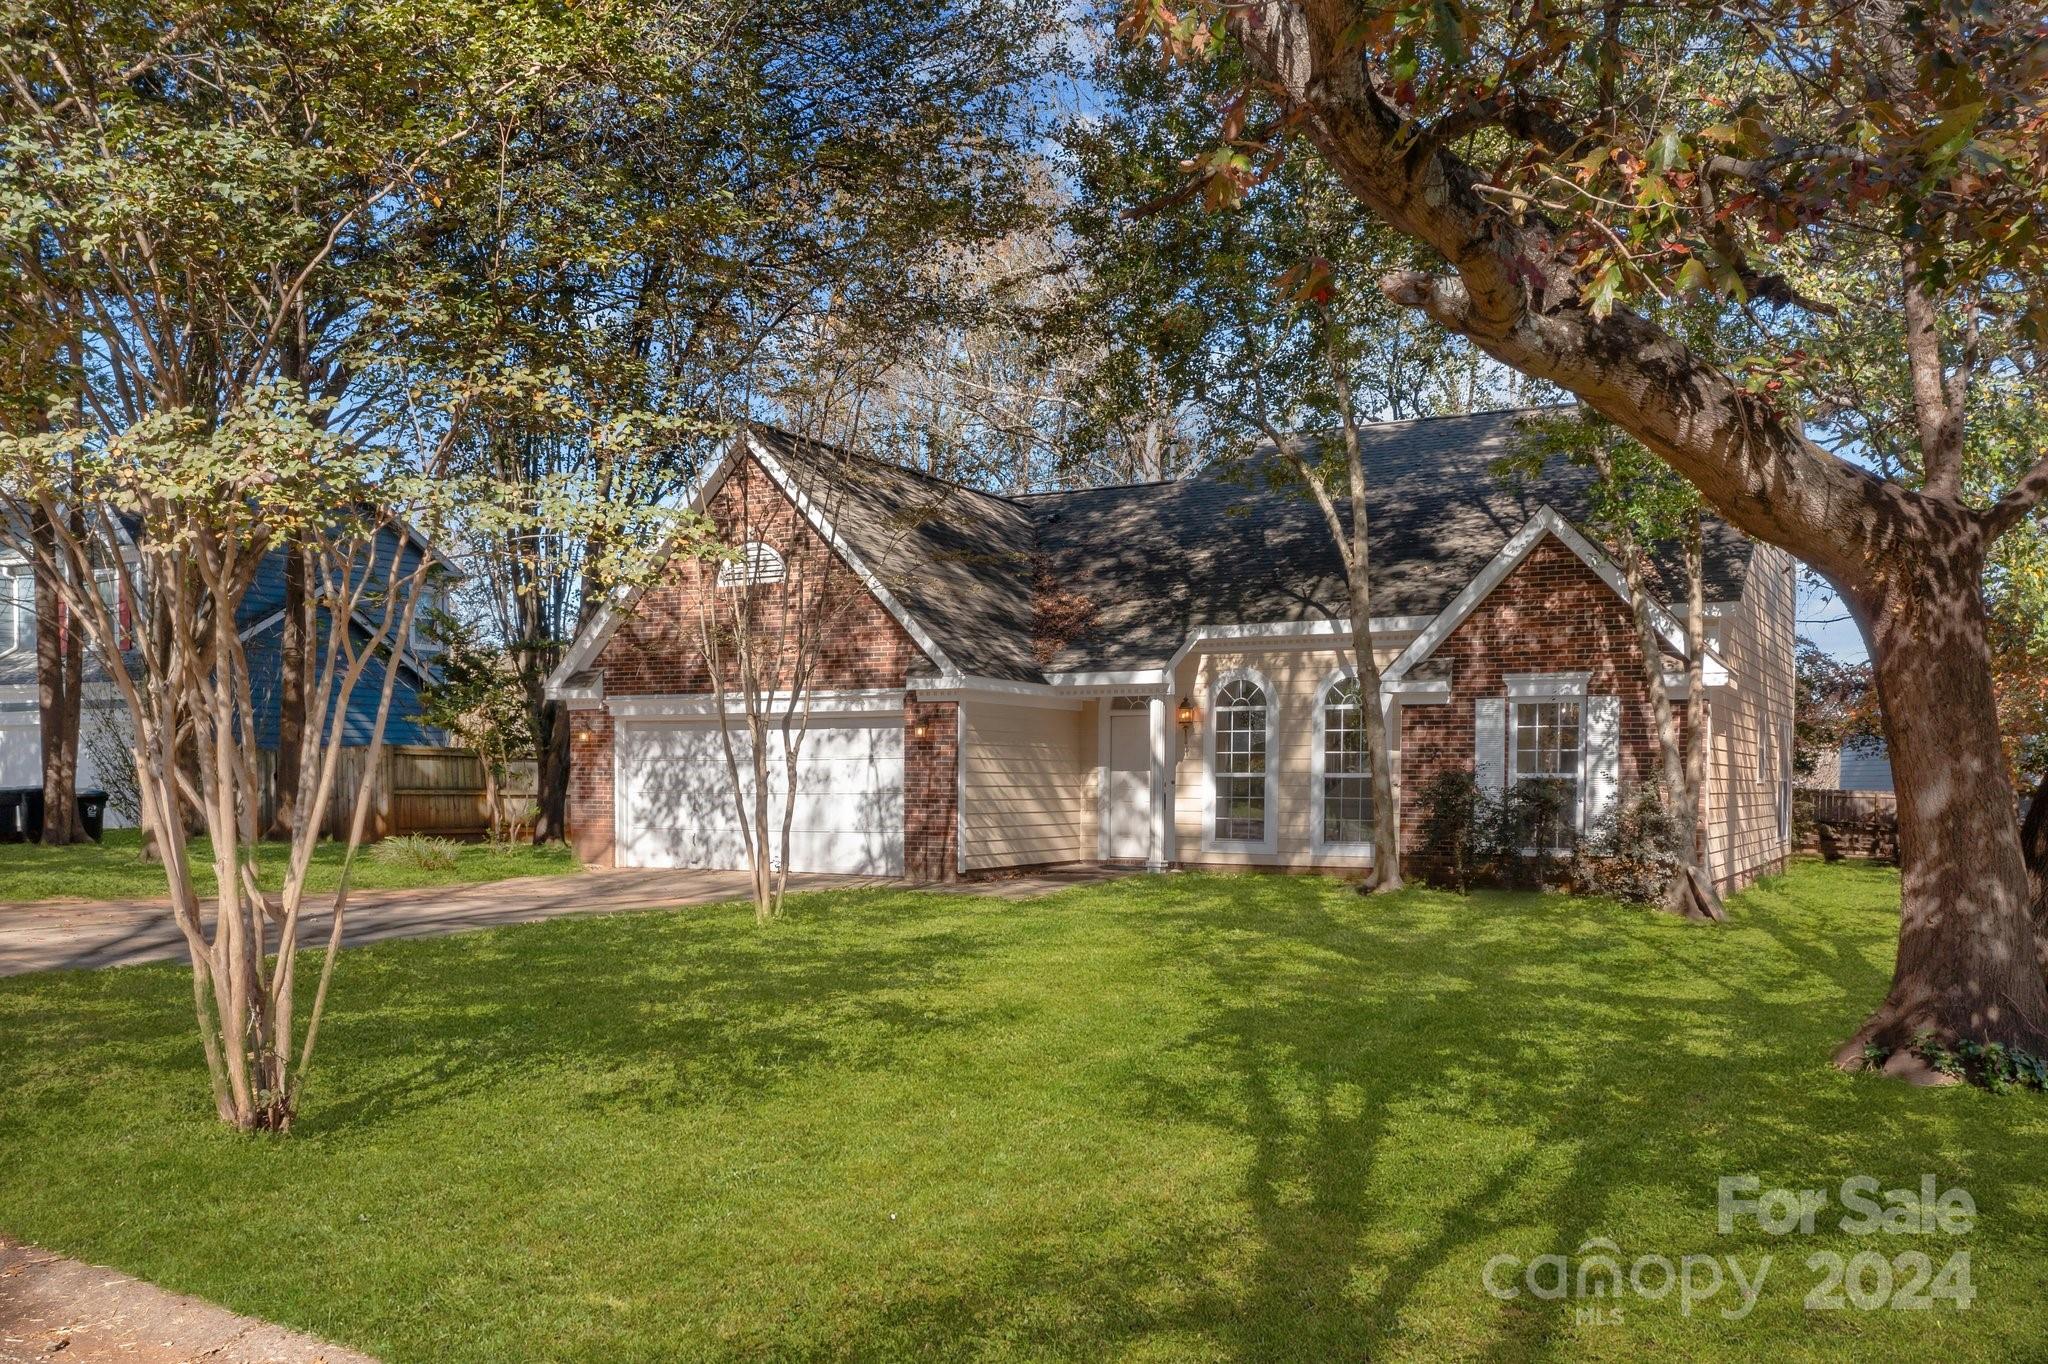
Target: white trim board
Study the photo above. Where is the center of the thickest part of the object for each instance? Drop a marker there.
(874, 701)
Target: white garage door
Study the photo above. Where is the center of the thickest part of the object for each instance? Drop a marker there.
(676, 806)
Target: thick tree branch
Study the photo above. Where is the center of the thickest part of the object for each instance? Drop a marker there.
(2023, 497)
(1516, 296)
(1940, 424)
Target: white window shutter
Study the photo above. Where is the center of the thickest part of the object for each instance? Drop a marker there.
(1490, 743)
(1602, 748)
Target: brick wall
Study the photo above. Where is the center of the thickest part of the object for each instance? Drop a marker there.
(1553, 614)
(655, 651)
(590, 787)
(931, 825)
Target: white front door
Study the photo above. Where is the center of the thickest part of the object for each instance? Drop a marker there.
(1128, 782)
(677, 806)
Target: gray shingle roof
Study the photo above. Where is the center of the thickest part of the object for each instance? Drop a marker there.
(1159, 560)
(959, 561)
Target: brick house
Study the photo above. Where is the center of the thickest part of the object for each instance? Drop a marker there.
(1157, 673)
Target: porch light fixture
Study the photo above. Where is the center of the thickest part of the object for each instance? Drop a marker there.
(1185, 713)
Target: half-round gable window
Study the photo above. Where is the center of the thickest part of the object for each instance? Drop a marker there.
(757, 563)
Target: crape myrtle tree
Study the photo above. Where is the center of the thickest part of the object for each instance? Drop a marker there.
(1860, 182)
(214, 209)
(1233, 330)
(771, 601)
(1641, 509)
(185, 510)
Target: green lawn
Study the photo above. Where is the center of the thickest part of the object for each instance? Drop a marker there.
(114, 869)
(1233, 1118)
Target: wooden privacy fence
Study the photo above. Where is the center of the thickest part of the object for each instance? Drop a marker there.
(418, 789)
(1850, 807)
(1853, 823)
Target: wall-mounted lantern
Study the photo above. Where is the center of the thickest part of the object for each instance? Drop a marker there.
(1185, 713)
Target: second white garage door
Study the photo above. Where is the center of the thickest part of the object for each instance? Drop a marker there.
(676, 806)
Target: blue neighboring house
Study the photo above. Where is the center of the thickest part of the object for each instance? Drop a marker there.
(262, 619)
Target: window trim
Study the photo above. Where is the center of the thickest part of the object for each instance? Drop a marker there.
(1318, 767)
(1266, 844)
(21, 610)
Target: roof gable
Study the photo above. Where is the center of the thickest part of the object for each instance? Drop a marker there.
(819, 506)
(1160, 563)
(1546, 523)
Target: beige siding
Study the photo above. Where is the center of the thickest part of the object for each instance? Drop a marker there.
(1750, 726)
(1295, 677)
(1030, 794)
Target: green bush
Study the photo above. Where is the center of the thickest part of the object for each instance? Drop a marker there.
(1632, 852)
(1526, 838)
(418, 850)
(1454, 834)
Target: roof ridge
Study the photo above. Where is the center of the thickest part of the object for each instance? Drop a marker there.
(922, 475)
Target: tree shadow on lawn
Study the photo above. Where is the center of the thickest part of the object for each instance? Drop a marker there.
(669, 1008)
(1390, 1092)
(1416, 1100)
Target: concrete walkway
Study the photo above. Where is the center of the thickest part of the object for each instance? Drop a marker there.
(76, 935)
(54, 1308)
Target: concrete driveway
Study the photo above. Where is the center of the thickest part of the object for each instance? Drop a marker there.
(75, 935)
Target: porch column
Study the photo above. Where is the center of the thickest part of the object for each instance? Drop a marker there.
(1161, 842)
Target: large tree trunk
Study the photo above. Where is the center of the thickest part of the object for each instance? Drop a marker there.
(1967, 964)
(550, 723)
(2034, 851)
(59, 678)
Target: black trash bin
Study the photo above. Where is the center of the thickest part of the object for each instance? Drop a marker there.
(32, 813)
(92, 813)
(14, 813)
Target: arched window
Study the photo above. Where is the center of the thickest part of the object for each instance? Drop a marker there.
(757, 563)
(1242, 763)
(1344, 791)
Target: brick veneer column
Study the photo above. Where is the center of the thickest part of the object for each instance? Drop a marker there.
(590, 786)
(931, 777)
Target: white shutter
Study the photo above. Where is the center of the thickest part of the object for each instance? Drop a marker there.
(1601, 741)
(1490, 743)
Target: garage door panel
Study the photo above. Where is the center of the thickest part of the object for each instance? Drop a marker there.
(676, 804)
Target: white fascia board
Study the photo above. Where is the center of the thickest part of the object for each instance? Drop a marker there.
(960, 686)
(591, 692)
(1136, 682)
(1546, 521)
(1544, 686)
(1292, 632)
(795, 493)
(875, 701)
(604, 622)
(1426, 692)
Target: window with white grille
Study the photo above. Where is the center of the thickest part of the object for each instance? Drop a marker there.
(1347, 768)
(1240, 716)
(17, 609)
(1543, 745)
